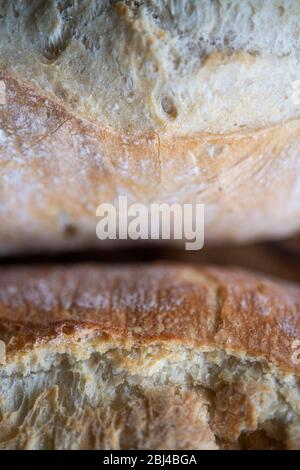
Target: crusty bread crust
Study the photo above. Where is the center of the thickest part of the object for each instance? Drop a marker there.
(158, 356)
(181, 101)
(56, 168)
(229, 309)
(179, 67)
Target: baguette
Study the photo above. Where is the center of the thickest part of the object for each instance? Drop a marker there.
(156, 356)
(166, 101)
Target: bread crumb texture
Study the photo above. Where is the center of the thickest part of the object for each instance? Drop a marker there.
(160, 357)
(171, 65)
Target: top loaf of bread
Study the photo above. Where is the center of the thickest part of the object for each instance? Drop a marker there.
(169, 101)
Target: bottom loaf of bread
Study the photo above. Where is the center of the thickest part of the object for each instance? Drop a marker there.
(148, 357)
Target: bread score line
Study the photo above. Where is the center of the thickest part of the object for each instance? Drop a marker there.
(181, 101)
(148, 356)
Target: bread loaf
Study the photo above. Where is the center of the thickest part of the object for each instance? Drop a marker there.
(172, 101)
(150, 356)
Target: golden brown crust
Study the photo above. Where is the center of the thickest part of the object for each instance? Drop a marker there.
(210, 308)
